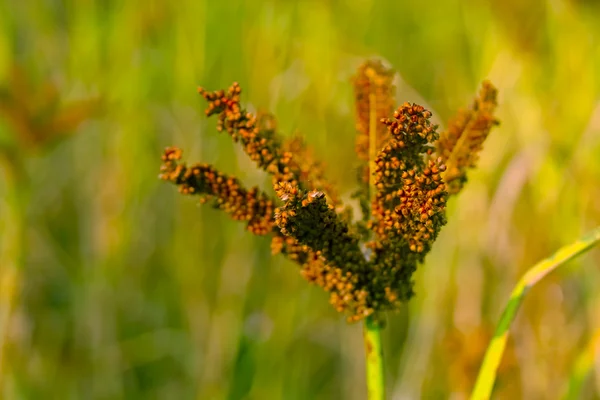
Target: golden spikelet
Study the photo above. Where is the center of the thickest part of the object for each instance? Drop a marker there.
(374, 100)
(460, 144)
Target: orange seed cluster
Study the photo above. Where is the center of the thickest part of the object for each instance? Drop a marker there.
(373, 98)
(226, 191)
(460, 145)
(261, 146)
(311, 171)
(306, 216)
(408, 210)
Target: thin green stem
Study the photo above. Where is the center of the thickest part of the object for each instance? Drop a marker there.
(487, 373)
(374, 359)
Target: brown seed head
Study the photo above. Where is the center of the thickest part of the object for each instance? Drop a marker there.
(460, 144)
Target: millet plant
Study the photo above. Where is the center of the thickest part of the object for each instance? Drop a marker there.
(406, 173)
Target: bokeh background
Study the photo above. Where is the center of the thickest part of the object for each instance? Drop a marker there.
(113, 286)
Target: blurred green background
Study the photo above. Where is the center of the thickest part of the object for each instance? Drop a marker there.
(113, 286)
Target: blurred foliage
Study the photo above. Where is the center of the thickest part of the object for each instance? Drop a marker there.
(130, 291)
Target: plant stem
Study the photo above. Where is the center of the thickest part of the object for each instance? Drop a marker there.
(374, 359)
(493, 355)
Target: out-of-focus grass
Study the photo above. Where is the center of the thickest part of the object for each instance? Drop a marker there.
(582, 367)
(495, 351)
(131, 291)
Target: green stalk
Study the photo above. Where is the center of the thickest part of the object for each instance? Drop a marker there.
(374, 359)
(372, 327)
(487, 373)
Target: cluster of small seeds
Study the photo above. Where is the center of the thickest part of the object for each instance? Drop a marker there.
(409, 206)
(262, 147)
(459, 146)
(419, 213)
(410, 195)
(226, 192)
(311, 171)
(343, 287)
(374, 94)
(308, 218)
(373, 98)
(412, 134)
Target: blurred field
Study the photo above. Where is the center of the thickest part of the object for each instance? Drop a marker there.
(121, 288)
